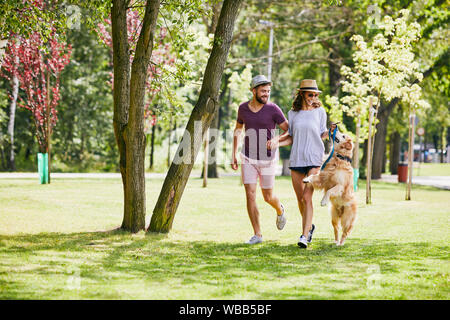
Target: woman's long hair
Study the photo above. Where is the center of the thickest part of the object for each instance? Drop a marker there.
(298, 101)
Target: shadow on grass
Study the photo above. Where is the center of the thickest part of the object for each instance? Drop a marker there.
(224, 267)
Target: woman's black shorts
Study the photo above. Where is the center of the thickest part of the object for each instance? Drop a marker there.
(303, 170)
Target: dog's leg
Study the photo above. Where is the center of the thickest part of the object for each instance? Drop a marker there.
(332, 192)
(348, 221)
(335, 223)
(314, 179)
(325, 199)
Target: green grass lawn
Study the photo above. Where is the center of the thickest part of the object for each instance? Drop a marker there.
(431, 169)
(58, 242)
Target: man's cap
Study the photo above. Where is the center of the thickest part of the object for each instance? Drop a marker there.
(259, 80)
(309, 85)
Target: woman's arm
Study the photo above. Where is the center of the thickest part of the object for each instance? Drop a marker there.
(274, 143)
(287, 141)
(332, 127)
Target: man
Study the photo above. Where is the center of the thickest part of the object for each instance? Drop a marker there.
(260, 117)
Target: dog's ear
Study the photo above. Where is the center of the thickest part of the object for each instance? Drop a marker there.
(348, 145)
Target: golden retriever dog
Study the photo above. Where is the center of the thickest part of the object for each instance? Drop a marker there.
(336, 179)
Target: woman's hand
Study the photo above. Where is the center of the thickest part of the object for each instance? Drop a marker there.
(273, 143)
(332, 127)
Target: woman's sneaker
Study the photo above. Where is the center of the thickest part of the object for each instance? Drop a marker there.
(303, 242)
(254, 240)
(310, 233)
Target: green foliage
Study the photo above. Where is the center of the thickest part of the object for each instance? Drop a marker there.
(13, 13)
(386, 66)
(84, 134)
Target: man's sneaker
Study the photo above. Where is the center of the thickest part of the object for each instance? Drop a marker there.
(254, 240)
(302, 242)
(281, 219)
(310, 233)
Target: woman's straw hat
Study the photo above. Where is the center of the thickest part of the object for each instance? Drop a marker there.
(309, 85)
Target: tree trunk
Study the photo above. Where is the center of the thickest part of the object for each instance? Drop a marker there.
(285, 171)
(169, 142)
(379, 146)
(334, 76)
(355, 160)
(214, 133)
(394, 154)
(2, 159)
(3, 45)
(129, 91)
(12, 116)
(152, 146)
(121, 64)
(49, 130)
(212, 146)
(383, 165)
(363, 162)
(199, 122)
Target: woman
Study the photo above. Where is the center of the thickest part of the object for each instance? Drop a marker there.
(307, 129)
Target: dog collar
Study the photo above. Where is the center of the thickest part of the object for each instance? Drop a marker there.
(344, 158)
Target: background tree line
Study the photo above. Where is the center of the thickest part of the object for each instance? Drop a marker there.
(311, 40)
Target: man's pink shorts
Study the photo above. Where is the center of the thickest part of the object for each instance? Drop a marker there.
(252, 169)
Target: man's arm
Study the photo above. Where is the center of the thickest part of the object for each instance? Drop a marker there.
(236, 140)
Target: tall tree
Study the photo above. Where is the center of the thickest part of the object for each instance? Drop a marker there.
(203, 113)
(129, 92)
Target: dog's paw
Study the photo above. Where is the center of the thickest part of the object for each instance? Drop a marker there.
(306, 180)
(324, 202)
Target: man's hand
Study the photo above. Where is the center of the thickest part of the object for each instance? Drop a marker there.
(234, 163)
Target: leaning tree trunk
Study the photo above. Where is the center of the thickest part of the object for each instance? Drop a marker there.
(129, 91)
(198, 124)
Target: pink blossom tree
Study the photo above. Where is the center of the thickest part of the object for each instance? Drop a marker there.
(37, 65)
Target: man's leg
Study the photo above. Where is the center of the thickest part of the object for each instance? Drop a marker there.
(267, 182)
(252, 209)
(273, 200)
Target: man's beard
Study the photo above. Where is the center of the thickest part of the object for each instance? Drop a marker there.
(260, 99)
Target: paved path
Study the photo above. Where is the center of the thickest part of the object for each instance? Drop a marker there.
(442, 182)
(31, 175)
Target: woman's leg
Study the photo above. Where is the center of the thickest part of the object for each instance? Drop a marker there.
(299, 188)
(309, 210)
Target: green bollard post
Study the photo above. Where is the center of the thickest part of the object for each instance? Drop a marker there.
(43, 167)
(355, 178)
